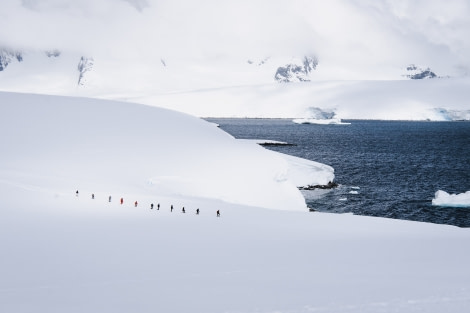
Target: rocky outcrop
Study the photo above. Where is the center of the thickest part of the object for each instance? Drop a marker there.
(85, 65)
(330, 185)
(415, 72)
(297, 71)
(259, 63)
(7, 56)
(52, 53)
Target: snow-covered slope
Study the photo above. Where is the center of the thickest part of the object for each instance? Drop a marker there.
(94, 144)
(263, 88)
(432, 99)
(415, 72)
(331, 51)
(65, 72)
(8, 56)
(66, 253)
(47, 72)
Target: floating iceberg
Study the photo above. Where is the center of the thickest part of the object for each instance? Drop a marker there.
(441, 114)
(442, 198)
(331, 121)
(319, 116)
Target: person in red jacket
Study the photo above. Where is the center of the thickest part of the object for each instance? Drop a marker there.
(135, 204)
(122, 200)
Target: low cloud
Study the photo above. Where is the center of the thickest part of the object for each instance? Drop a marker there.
(347, 34)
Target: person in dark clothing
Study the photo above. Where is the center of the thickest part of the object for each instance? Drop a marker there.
(171, 209)
(197, 211)
(183, 210)
(158, 206)
(93, 196)
(218, 213)
(109, 199)
(151, 206)
(76, 193)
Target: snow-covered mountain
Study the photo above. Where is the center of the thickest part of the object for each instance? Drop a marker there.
(150, 49)
(267, 70)
(7, 56)
(296, 71)
(264, 71)
(234, 87)
(49, 71)
(415, 72)
(41, 59)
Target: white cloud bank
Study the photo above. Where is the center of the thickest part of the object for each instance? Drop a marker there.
(160, 52)
(351, 38)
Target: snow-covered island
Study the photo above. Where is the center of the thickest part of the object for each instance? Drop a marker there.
(68, 252)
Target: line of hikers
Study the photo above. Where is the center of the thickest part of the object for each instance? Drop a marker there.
(151, 205)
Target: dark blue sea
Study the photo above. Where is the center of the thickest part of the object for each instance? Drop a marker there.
(384, 168)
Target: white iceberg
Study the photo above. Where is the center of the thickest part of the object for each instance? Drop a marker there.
(442, 198)
(331, 121)
(319, 116)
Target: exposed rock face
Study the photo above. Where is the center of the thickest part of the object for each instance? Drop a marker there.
(53, 53)
(415, 72)
(297, 71)
(7, 56)
(260, 62)
(330, 185)
(85, 65)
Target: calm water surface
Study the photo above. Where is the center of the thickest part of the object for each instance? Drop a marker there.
(384, 168)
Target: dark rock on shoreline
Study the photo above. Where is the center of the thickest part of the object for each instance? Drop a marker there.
(270, 144)
(330, 185)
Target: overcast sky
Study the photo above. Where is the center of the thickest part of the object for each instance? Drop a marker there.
(353, 33)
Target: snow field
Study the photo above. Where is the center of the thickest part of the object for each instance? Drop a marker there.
(61, 253)
(102, 144)
(435, 99)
